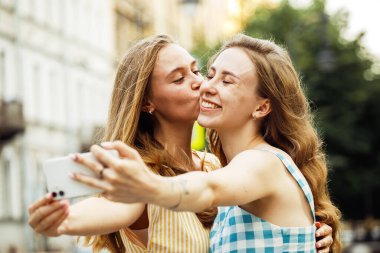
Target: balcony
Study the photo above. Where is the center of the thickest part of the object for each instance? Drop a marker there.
(11, 119)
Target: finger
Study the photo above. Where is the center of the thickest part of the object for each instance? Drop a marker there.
(124, 150)
(324, 230)
(61, 222)
(95, 166)
(41, 202)
(325, 250)
(42, 212)
(90, 181)
(324, 242)
(103, 156)
(50, 220)
(111, 176)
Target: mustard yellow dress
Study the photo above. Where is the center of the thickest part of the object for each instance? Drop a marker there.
(171, 231)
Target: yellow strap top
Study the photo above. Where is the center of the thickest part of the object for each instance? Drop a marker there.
(171, 231)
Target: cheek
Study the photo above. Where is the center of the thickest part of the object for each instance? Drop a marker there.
(177, 101)
(238, 104)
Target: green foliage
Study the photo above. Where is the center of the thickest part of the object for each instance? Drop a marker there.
(344, 91)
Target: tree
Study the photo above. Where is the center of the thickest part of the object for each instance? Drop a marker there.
(340, 79)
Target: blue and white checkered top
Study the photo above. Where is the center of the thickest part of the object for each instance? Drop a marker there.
(236, 230)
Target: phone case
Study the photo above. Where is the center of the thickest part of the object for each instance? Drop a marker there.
(59, 183)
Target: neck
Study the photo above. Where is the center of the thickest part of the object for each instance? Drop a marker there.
(175, 137)
(235, 141)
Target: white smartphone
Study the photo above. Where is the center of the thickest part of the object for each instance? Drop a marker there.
(59, 183)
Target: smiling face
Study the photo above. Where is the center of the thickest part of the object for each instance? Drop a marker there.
(175, 83)
(229, 97)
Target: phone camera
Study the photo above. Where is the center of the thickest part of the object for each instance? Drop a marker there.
(61, 193)
(54, 194)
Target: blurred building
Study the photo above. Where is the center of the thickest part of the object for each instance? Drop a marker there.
(56, 68)
(57, 61)
(188, 21)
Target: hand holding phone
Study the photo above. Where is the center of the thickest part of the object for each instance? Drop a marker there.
(59, 183)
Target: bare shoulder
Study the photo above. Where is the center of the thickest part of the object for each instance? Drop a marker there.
(261, 162)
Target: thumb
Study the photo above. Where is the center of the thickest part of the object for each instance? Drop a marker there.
(124, 150)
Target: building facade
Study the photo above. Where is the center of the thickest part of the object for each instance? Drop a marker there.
(57, 62)
(56, 70)
(187, 21)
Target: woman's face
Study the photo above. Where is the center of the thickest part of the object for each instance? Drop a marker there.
(175, 85)
(229, 96)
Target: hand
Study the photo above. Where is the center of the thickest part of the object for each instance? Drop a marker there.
(125, 180)
(324, 237)
(47, 216)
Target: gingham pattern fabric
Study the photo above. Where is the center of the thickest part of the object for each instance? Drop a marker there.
(236, 230)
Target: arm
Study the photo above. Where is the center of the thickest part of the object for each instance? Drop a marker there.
(245, 179)
(85, 216)
(54, 218)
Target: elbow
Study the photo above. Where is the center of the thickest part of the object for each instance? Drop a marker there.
(209, 199)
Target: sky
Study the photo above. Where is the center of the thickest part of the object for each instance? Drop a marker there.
(364, 15)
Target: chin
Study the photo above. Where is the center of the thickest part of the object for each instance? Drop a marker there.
(205, 122)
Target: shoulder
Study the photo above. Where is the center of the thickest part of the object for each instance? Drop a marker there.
(260, 162)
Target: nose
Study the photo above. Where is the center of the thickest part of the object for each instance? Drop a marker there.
(207, 88)
(198, 80)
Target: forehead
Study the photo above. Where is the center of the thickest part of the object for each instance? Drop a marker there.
(172, 56)
(234, 60)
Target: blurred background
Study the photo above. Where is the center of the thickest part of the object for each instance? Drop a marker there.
(58, 60)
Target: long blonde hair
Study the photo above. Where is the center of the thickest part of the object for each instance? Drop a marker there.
(128, 123)
(289, 126)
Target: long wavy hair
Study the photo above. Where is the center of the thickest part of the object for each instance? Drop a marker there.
(290, 125)
(128, 123)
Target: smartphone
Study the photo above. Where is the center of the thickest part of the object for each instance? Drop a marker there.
(59, 183)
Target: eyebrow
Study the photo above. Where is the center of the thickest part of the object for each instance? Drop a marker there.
(225, 72)
(194, 62)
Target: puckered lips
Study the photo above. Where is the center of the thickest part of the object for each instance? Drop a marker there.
(209, 105)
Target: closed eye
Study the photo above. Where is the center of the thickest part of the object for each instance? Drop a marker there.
(197, 72)
(179, 80)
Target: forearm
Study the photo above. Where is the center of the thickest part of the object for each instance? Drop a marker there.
(100, 216)
(189, 192)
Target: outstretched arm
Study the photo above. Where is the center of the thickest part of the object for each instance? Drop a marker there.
(54, 218)
(129, 180)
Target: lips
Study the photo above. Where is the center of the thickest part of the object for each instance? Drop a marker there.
(209, 105)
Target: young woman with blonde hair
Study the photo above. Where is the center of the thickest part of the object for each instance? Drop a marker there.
(262, 132)
(155, 102)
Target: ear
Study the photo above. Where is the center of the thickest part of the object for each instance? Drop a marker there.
(148, 107)
(263, 109)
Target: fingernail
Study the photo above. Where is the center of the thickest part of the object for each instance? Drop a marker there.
(106, 144)
(72, 175)
(64, 202)
(74, 157)
(318, 245)
(317, 234)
